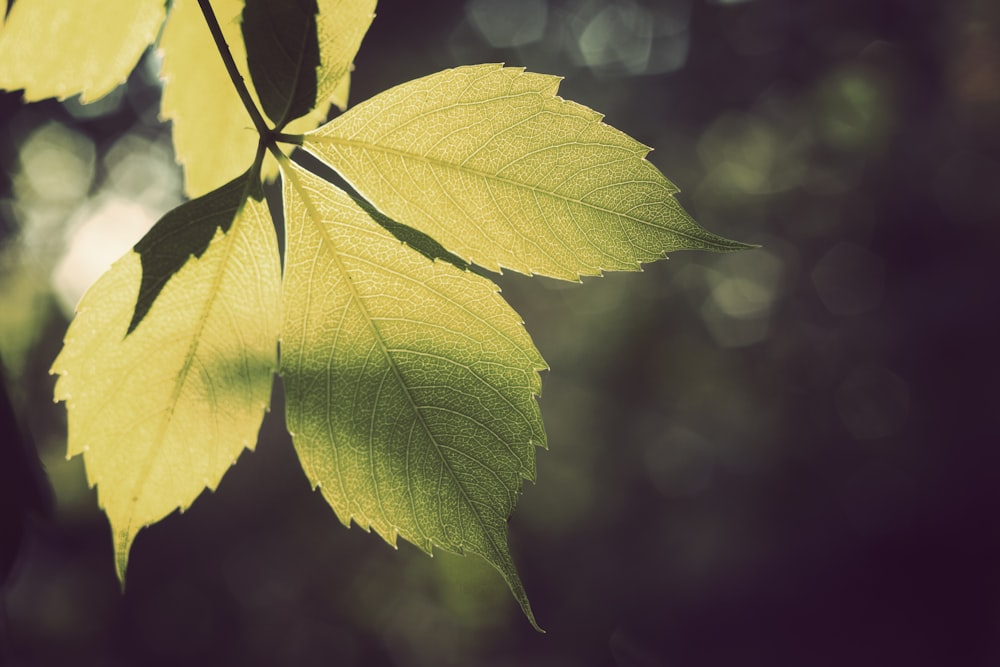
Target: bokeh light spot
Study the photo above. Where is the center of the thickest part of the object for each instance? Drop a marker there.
(619, 34)
(143, 169)
(625, 38)
(743, 290)
(854, 111)
(746, 155)
(56, 164)
(105, 230)
(508, 23)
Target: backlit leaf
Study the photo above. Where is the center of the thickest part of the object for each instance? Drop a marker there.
(503, 173)
(160, 414)
(55, 48)
(182, 233)
(338, 97)
(410, 384)
(214, 138)
(213, 135)
(283, 56)
(341, 25)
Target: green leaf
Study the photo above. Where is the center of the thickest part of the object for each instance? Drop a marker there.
(417, 240)
(160, 414)
(283, 54)
(55, 48)
(340, 25)
(214, 138)
(300, 54)
(337, 28)
(503, 173)
(182, 233)
(410, 384)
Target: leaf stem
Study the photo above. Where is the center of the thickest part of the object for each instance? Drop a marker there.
(296, 139)
(258, 161)
(234, 73)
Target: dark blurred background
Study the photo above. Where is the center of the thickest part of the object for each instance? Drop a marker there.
(777, 457)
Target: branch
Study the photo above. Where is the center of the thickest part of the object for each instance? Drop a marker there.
(234, 73)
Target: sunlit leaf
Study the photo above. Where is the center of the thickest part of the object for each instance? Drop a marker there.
(213, 135)
(182, 233)
(338, 97)
(410, 384)
(160, 414)
(214, 138)
(502, 172)
(337, 28)
(341, 25)
(55, 48)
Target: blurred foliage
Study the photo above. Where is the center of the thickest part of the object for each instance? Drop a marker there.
(779, 457)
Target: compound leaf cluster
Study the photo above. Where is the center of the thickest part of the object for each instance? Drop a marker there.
(410, 384)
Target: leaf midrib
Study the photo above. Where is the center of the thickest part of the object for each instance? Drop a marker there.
(192, 352)
(298, 66)
(365, 145)
(357, 298)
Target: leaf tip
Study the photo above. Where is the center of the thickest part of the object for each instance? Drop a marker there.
(122, 539)
(526, 610)
(735, 246)
(503, 563)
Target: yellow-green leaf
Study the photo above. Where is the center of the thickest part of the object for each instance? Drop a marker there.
(340, 26)
(181, 234)
(338, 97)
(410, 384)
(58, 48)
(214, 138)
(161, 413)
(503, 173)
